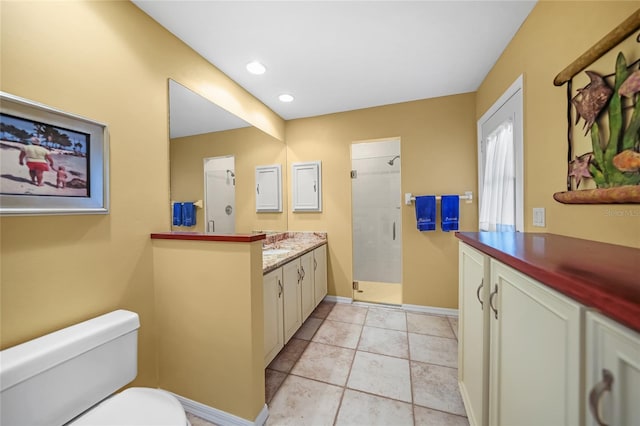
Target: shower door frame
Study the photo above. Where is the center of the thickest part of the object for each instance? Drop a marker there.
(378, 291)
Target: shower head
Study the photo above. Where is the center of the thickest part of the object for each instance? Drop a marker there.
(390, 162)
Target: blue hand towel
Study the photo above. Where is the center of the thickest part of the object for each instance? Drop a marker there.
(177, 214)
(188, 214)
(449, 213)
(426, 212)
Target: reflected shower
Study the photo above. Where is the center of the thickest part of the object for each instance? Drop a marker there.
(390, 162)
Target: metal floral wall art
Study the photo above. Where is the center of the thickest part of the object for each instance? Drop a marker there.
(610, 112)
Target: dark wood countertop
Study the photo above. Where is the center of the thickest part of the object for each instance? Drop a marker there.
(198, 236)
(602, 276)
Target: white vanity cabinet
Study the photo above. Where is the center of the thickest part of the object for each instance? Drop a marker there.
(292, 316)
(273, 310)
(535, 366)
(473, 333)
(306, 186)
(290, 295)
(268, 188)
(612, 373)
(320, 273)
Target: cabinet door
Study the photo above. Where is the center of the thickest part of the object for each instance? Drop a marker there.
(306, 285)
(473, 333)
(613, 362)
(535, 352)
(307, 186)
(320, 273)
(273, 324)
(268, 192)
(292, 309)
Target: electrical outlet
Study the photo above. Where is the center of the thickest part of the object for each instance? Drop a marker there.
(538, 217)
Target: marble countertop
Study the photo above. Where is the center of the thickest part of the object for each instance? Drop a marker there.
(283, 247)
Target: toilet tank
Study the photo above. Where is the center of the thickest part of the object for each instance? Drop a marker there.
(52, 379)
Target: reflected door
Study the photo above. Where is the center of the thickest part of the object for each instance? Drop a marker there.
(377, 225)
(220, 195)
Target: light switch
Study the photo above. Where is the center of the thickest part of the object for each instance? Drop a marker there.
(538, 217)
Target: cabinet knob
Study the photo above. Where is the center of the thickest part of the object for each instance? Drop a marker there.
(478, 294)
(596, 393)
(493, 294)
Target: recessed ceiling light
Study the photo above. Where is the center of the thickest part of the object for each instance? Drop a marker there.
(256, 67)
(285, 98)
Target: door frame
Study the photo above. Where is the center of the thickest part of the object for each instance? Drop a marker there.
(518, 137)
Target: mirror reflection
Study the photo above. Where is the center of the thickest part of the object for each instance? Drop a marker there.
(205, 138)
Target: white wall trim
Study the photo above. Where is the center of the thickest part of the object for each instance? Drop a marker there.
(338, 299)
(220, 417)
(431, 310)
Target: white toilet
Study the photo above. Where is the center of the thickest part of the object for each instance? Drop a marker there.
(69, 376)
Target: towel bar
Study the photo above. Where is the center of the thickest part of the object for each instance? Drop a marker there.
(468, 196)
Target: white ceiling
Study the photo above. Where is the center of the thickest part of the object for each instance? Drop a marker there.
(335, 56)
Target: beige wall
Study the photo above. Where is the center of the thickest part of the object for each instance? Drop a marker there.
(210, 323)
(437, 138)
(251, 147)
(109, 62)
(555, 34)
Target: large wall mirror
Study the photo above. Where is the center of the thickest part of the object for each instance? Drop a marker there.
(202, 132)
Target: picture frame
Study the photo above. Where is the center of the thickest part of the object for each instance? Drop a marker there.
(51, 162)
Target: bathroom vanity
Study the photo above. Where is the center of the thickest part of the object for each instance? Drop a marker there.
(549, 330)
(295, 282)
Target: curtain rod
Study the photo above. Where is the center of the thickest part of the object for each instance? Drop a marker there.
(619, 33)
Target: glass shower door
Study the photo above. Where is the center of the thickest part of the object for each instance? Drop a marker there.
(377, 225)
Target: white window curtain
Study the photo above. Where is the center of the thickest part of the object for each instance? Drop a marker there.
(498, 203)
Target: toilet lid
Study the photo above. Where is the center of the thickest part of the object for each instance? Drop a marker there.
(136, 407)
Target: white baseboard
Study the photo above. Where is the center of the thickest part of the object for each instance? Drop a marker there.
(431, 310)
(220, 417)
(338, 299)
(416, 308)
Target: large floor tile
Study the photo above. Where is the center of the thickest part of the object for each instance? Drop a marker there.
(425, 416)
(326, 363)
(381, 375)
(429, 324)
(197, 421)
(323, 309)
(272, 381)
(348, 313)
(359, 408)
(338, 334)
(289, 355)
(433, 349)
(436, 387)
(308, 329)
(384, 342)
(387, 318)
(302, 401)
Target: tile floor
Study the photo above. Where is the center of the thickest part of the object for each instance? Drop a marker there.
(365, 365)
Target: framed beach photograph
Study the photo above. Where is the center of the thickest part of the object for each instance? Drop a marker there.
(51, 162)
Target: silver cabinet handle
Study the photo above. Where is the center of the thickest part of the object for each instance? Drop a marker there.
(478, 294)
(303, 273)
(299, 276)
(258, 188)
(494, 293)
(315, 264)
(314, 186)
(280, 289)
(596, 394)
(394, 231)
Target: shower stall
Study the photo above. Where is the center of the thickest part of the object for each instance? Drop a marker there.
(220, 195)
(377, 226)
